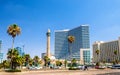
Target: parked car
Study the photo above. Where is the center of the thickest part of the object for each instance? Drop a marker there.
(34, 68)
(38, 68)
(100, 67)
(80, 67)
(115, 67)
(109, 66)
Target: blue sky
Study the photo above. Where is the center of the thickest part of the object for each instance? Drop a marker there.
(36, 16)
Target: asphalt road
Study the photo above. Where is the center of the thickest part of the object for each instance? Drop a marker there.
(67, 72)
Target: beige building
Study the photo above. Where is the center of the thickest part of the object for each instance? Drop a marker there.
(106, 51)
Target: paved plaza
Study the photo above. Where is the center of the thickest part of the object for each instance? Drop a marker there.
(67, 72)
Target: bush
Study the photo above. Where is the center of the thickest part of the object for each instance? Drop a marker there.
(16, 70)
(97, 64)
(72, 68)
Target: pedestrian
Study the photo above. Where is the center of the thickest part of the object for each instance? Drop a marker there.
(86, 68)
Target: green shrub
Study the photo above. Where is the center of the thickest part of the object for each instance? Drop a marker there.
(72, 68)
(97, 64)
(16, 70)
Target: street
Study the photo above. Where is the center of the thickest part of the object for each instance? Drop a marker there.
(67, 72)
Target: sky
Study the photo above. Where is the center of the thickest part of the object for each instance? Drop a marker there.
(35, 17)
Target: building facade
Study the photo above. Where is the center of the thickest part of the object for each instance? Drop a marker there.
(61, 44)
(1, 54)
(43, 55)
(106, 51)
(65, 49)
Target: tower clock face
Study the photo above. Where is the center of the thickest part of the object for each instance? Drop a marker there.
(48, 33)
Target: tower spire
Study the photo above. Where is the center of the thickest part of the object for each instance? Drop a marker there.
(48, 43)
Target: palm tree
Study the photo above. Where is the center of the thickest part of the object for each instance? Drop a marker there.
(115, 53)
(13, 30)
(31, 62)
(71, 39)
(36, 60)
(74, 62)
(97, 52)
(58, 63)
(65, 63)
(15, 59)
(46, 60)
(27, 59)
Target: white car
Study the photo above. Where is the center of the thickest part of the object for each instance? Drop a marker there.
(115, 67)
(80, 67)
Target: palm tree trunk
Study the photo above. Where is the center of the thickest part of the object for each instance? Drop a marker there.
(13, 43)
(12, 52)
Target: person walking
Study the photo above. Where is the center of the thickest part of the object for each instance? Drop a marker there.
(86, 68)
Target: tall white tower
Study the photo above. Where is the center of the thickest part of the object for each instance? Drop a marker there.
(48, 43)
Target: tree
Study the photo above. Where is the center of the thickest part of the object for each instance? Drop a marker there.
(40, 62)
(115, 60)
(15, 58)
(26, 59)
(13, 30)
(46, 60)
(58, 63)
(36, 60)
(6, 64)
(115, 52)
(73, 62)
(97, 52)
(65, 63)
(31, 62)
(71, 39)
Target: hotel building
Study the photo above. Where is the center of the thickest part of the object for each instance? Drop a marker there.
(106, 51)
(79, 49)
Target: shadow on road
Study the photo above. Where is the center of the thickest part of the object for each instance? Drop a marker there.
(114, 73)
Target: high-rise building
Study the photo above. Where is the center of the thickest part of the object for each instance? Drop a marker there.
(61, 44)
(1, 54)
(79, 49)
(106, 51)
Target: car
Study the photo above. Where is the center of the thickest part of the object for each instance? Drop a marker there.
(38, 68)
(55, 67)
(100, 67)
(109, 66)
(115, 67)
(80, 67)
